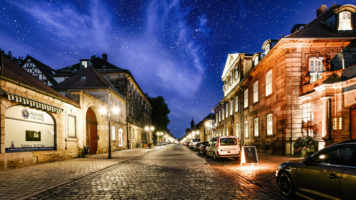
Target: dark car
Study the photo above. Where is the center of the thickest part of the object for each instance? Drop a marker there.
(202, 148)
(330, 173)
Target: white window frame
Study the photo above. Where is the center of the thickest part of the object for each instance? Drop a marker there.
(256, 127)
(269, 82)
(69, 130)
(246, 129)
(315, 68)
(237, 103)
(246, 98)
(345, 21)
(270, 124)
(255, 92)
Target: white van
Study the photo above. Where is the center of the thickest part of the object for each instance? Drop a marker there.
(224, 147)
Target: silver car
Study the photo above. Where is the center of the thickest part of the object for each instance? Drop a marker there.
(329, 174)
(223, 147)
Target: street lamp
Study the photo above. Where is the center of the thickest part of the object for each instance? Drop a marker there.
(104, 111)
(149, 129)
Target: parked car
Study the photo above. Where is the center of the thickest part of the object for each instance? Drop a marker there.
(202, 148)
(193, 142)
(224, 147)
(329, 173)
(197, 146)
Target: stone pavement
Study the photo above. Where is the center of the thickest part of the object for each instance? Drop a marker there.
(24, 182)
(173, 172)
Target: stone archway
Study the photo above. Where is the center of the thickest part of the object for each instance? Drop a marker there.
(92, 131)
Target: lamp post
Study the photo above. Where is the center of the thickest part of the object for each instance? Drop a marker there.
(104, 111)
(149, 129)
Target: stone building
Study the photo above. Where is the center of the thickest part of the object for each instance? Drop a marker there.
(138, 107)
(48, 129)
(301, 85)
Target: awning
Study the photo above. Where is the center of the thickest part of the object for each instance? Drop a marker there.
(33, 103)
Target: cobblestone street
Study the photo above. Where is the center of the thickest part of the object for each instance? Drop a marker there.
(172, 172)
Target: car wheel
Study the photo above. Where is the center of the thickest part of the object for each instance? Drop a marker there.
(215, 157)
(285, 184)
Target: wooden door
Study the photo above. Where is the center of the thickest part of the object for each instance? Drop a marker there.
(91, 129)
(353, 123)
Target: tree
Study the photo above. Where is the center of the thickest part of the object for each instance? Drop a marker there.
(160, 113)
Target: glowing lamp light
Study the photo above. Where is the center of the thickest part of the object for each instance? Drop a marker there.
(115, 110)
(147, 128)
(103, 110)
(152, 128)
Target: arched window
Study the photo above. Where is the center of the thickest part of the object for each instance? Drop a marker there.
(345, 21)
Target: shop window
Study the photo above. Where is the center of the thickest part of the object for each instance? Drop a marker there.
(246, 129)
(246, 98)
(269, 124)
(256, 125)
(269, 83)
(345, 21)
(72, 121)
(315, 68)
(255, 92)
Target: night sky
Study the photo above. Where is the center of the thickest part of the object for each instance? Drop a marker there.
(175, 49)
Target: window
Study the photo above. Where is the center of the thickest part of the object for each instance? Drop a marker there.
(113, 134)
(269, 124)
(255, 62)
(236, 73)
(237, 130)
(269, 82)
(231, 107)
(217, 116)
(315, 68)
(84, 63)
(345, 21)
(222, 114)
(337, 123)
(227, 109)
(267, 48)
(256, 131)
(121, 137)
(237, 104)
(246, 129)
(72, 129)
(83, 78)
(246, 98)
(341, 155)
(255, 92)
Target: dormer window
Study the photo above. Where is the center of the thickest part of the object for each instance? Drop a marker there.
(255, 61)
(236, 73)
(84, 63)
(268, 47)
(345, 21)
(315, 68)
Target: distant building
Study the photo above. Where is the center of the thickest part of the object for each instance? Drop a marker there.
(302, 85)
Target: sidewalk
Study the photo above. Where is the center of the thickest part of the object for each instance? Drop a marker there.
(24, 182)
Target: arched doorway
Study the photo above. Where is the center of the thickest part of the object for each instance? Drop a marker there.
(92, 131)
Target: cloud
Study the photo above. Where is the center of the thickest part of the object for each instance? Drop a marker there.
(164, 54)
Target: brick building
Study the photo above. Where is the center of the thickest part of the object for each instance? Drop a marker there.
(301, 85)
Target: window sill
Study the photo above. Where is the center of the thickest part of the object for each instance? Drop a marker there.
(72, 139)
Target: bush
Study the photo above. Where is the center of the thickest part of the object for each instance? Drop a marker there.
(305, 145)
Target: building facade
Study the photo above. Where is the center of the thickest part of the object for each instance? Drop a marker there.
(301, 85)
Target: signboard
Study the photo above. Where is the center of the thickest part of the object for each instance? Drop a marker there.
(249, 154)
(28, 129)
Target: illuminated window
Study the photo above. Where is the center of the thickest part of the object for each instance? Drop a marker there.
(246, 129)
(337, 123)
(236, 73)
(255, 62)
(269, 124)
(345, 21)
(267, 48)
(222, 114)
(269, 82)
(246, 98)
(113, 134)
(315, 68)
(227, 109)
(231, 107)
(237, 104)
(237, 130)
(255, 92)
(121, 137)
(84, 63)
(256, 131)
(72, 129)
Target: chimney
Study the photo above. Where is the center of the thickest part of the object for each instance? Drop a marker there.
(105, 57)
(323, 8)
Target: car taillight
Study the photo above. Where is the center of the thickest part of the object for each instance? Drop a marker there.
(217, 143)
